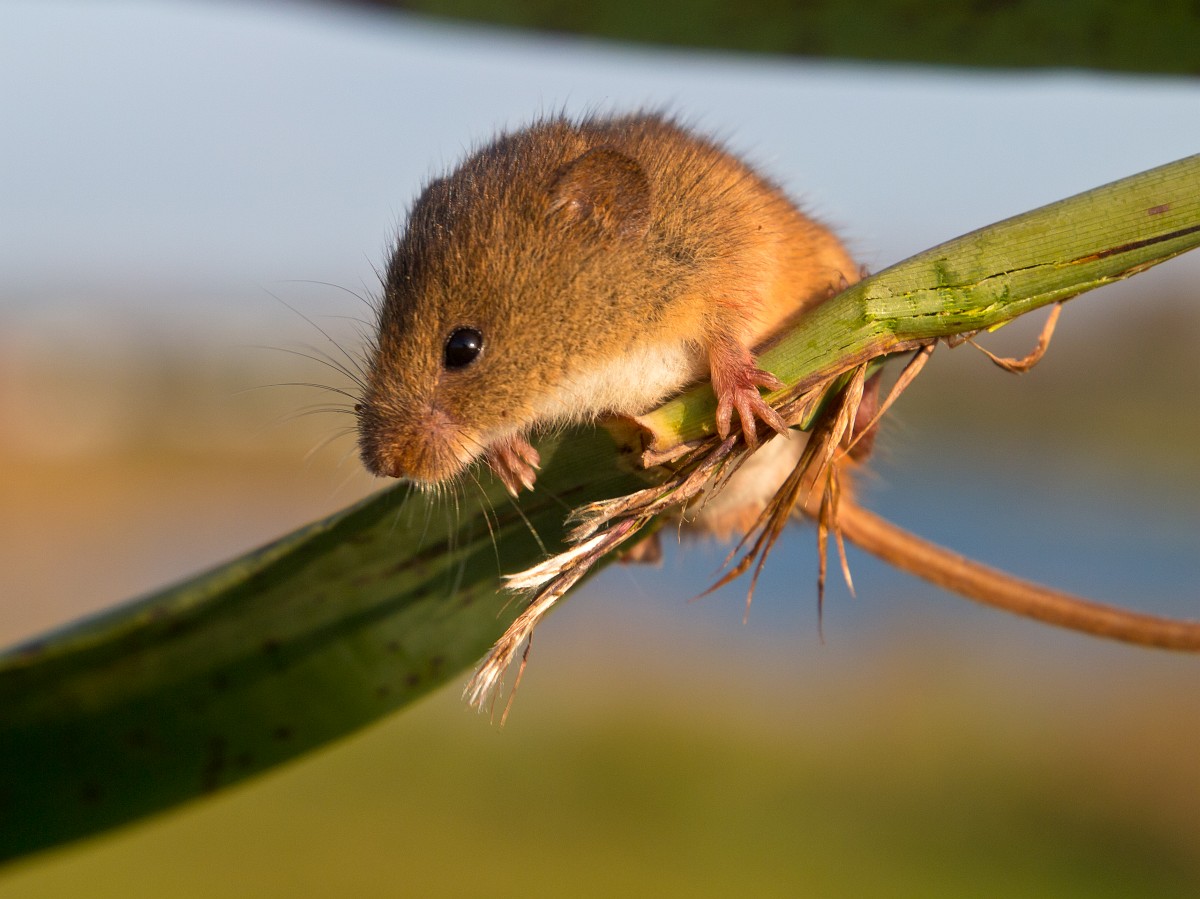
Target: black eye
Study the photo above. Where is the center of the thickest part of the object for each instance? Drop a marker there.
(462, 348)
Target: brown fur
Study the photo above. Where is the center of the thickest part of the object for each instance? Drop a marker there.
(572, 246)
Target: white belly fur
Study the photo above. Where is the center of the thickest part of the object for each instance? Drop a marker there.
(629, 385)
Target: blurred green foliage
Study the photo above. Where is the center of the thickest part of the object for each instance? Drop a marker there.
(915, 775)
(1096, 34)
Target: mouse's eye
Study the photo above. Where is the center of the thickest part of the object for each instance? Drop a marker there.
(462, 348)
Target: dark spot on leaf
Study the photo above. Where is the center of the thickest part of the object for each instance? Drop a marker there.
(244, 759)
(392, 645)
(436, 663)
(138, 739)
(91, 793)
(412, 680)
(282, 732)
(214, 765)
(270, 645)
(383, 691)
(1139, 244)
(220, 681)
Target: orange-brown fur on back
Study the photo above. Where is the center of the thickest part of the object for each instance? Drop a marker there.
(605, 262)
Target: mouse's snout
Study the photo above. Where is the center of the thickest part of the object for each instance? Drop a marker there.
(430, 448)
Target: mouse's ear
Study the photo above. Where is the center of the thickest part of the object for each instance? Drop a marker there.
(606, 187)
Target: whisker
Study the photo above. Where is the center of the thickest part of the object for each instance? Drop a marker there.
(353, 318)
(489, 512)
(318, 410)
(428, 514)
(453, 525)
(364, 300)
(320, 358)
(352, 451)
(381, 277)
(355, 363)
(528, 524)
(345, 481)
(312, 384)
(326, 441)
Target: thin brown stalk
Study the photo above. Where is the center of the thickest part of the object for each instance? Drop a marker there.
(988, 586)
(1024, 364)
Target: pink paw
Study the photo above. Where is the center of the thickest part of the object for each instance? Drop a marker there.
(515, 463)
(737, 388)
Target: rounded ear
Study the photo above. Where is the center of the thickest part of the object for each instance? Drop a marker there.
(606, 187)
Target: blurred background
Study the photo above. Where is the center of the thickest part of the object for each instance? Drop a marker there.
(188, 191)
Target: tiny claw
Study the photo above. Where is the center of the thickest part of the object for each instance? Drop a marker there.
(724, 416)
(763, 378)
(746, 416)
(515, 462)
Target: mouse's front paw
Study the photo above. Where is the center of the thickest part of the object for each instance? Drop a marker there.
(515, 463)
(737, 389)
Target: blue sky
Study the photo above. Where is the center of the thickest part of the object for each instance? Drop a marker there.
(159, 150)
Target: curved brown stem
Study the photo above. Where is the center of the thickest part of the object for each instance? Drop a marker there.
(968, 578)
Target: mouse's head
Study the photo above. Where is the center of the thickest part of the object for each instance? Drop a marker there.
(511, 278)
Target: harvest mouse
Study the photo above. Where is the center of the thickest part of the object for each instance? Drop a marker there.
(577, 269)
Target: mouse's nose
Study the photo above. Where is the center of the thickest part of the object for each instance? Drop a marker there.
(429, 450)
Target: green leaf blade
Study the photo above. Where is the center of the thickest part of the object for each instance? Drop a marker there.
(294, 645)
